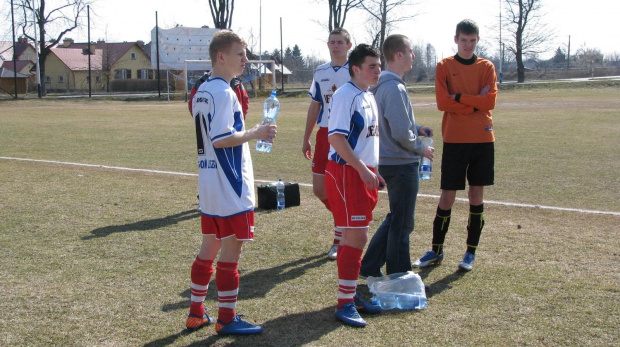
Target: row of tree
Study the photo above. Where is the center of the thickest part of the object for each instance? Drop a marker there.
(528, 34)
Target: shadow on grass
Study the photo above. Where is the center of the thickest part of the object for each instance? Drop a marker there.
(143, 225)
(440, 285)
(291, 330)
(295, 329)
(258, 283)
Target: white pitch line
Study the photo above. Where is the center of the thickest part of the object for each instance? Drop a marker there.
(512, 204)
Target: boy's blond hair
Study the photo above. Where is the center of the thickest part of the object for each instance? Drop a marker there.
(221, 42)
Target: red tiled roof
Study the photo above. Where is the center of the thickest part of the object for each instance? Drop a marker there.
(6, 49)
(76, 60)
(112, 51)
(21, 64)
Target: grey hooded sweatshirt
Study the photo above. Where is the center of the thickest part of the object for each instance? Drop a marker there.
(398, 133)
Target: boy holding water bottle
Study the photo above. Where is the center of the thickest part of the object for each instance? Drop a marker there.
(225, 184)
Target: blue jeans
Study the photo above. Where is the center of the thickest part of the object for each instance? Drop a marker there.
(390, 243)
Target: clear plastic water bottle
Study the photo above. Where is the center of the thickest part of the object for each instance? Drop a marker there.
(271, 107)
(280, 196)
(404, 291)
(426, 166)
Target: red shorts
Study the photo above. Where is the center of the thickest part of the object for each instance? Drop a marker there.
(321, 151)
(351, 203)
(240, 225)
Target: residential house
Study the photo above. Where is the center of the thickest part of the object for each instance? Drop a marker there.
(8, 80)
(125, 66)
(25, 61)
(66, 69)
(264, 72)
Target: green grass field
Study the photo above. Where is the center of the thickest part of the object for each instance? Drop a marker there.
(97, 256)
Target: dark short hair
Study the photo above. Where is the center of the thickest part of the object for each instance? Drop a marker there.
(221, 41)
(467, 27)
(343, 32)
(359, 54)
(394, 44)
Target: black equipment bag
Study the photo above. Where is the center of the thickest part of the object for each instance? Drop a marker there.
(267, 196)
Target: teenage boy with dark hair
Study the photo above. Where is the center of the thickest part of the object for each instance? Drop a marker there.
(351, 179)
(466, 90)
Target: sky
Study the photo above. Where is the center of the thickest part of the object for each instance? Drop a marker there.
(304, 22)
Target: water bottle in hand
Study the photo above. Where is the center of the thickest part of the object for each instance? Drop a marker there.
(426, 166)
(271, 107)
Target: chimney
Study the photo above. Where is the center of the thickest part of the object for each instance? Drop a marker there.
(22, 39)
(66, 42)
(140, 43)
(100, 41)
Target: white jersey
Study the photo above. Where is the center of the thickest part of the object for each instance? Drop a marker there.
(354, 114)
(326, 80)
(225, 175)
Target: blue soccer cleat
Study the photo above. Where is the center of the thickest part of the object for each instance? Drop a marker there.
(427, 259)
(348, 315)
(365, 307)
(237, 327)
(467, 263)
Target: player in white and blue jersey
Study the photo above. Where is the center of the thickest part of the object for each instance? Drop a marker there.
(225, 184)
(351, 178)
(326, 80)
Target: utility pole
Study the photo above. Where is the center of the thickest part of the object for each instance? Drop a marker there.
(14, 50)
(568, 55)
(36, 47)
(501, 52)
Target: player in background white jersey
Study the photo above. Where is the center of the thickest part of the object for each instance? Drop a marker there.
(351, 178)
(225, 184)
(327, 78)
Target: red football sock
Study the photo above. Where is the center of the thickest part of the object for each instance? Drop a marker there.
(200, 275)
(349, 263)
(227, 282)
(337, 235)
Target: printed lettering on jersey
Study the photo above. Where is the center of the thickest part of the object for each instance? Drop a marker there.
(358, 218)
(325, 80)
(201, 99)
(207, 164)
(373, 130)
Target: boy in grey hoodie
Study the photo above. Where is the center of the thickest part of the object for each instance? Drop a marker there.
(400, 151)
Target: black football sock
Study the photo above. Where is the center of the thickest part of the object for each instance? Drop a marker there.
(474, 227)
(440, 229)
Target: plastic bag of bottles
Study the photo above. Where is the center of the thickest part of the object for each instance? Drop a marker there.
(404, 290)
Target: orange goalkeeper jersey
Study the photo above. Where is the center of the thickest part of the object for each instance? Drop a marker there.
(467, 119)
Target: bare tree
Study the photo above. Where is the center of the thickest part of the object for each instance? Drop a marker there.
(529, 34)
(338, 10)
(386, 13)
(52, 24)
(222, 13)
(589, 57)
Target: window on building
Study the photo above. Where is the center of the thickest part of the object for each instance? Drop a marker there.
(61, 79)
(133, 56)
(48, 79)
(145, 74)
(122, 74)
(98, 79)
